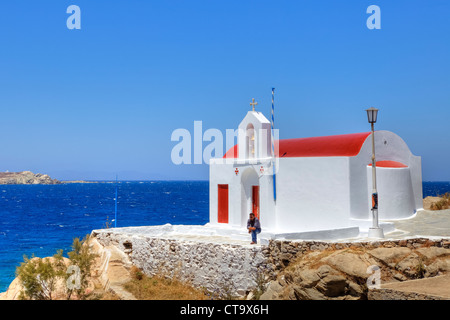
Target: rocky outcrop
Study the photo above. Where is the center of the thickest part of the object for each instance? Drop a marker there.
(437, 203)
(16, 287)
(343, 274)
(109, 272)
(26, 177)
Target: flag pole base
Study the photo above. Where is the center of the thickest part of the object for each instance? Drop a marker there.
(376, 233)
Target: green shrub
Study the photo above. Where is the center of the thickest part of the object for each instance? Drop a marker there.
(39, 276)
(443, 203)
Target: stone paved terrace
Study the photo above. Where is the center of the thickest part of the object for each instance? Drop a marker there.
(424, 224)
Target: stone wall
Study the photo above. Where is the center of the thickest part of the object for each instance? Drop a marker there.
(225, 268)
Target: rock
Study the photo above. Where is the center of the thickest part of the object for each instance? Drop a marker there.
(353, 264)
(324, 270)
(400, 277)
(13, 291)
(282, 281)
(403, 243)
(438, 267)
(307, 294)
(410, 265)
(309, 278)
(429, 201)
(322, 276)
(355, 289)
(272, 291)
(390, 256)
(434, 252)
(333, 285)
(342, 274)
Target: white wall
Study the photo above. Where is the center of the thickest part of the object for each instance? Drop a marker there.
(395, 194)
(262, 135)
(221, 174)
(319, 193)
(415, 169)
(313, 193)
(249, 178)
(388, 146)
(239, 192)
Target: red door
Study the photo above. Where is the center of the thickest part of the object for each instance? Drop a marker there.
(255, 200)
(222, 216)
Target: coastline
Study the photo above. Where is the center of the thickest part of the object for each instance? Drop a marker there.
(406, 225)
(331, 270)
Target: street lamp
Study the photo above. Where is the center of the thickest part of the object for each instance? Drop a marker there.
(375, 231)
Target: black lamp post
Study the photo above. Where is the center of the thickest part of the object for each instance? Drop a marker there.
(375, 231)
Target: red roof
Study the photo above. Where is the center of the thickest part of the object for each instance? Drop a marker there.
(344, 145)
(389, 164)
(232, 153)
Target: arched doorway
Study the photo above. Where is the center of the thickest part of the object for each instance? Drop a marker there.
(249, 195)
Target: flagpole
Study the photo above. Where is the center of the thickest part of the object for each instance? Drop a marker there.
(273, 150)
(115, 207)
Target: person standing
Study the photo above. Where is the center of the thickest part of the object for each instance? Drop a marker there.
(254, 227)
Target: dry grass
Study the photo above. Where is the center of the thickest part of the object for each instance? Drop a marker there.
(161, 288)
(108, 296)
(442, 204)
(100, 294)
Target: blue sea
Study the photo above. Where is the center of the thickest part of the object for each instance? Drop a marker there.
(40, 219)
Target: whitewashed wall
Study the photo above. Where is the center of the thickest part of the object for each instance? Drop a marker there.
(313, 194)
(388, 146)
(239, 195)
(395, 194)
(320, 193)
(262, 135)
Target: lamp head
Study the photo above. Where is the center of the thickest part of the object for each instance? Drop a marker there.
(372, 114)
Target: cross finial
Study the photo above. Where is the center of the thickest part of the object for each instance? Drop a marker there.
(253, 103)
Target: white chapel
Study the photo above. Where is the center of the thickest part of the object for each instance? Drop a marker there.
(322, 184)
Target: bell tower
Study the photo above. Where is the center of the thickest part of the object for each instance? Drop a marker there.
(254, 136)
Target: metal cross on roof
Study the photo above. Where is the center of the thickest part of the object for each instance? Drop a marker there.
(253, 103)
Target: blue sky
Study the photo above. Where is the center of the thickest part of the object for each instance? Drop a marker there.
(90, 103)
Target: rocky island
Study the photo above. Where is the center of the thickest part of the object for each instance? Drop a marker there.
(26, 177)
